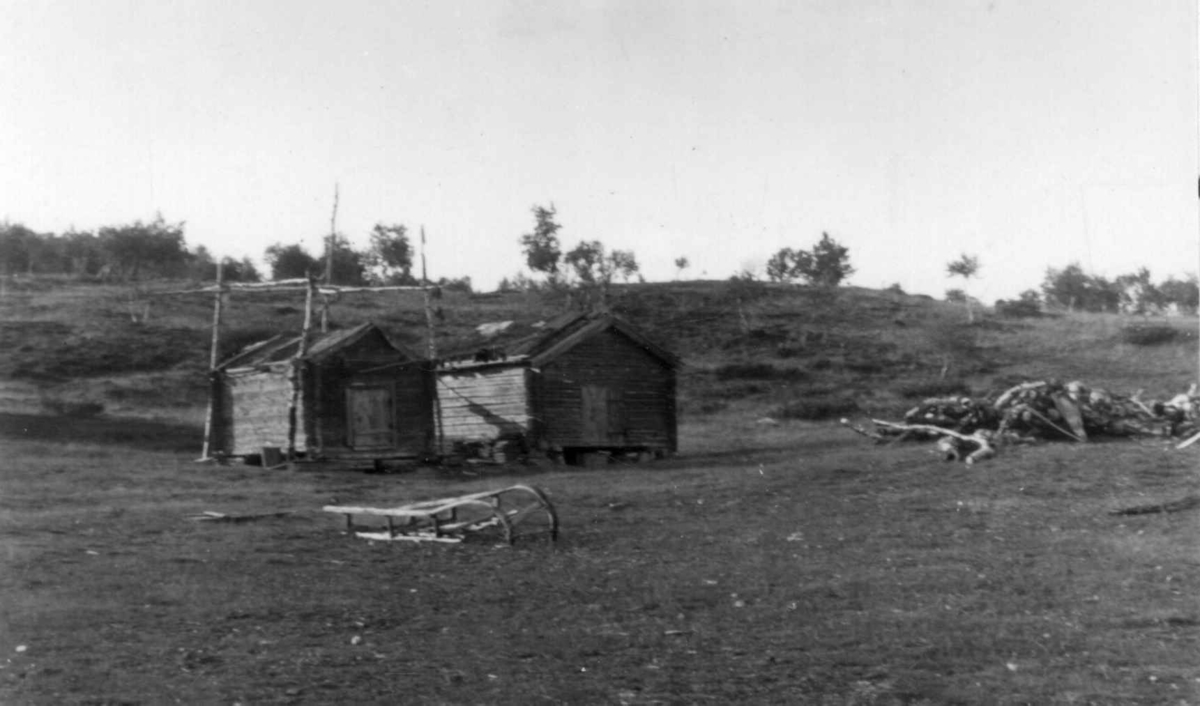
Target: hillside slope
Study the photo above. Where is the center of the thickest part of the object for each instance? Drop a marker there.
(749, 347)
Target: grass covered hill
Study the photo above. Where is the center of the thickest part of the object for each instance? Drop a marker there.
(766, 564)
(762, 349)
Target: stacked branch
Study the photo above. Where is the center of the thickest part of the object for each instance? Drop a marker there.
(972, 429)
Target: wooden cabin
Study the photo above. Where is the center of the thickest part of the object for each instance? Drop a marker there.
(577, 384)
(360, 398)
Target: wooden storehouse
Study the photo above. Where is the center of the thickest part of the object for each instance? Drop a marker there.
(574, 385)
(359, 398)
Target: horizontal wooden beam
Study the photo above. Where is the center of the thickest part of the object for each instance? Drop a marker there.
(286, 285)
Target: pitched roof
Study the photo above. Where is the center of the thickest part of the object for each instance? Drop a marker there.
(546, 340)
(284, 347)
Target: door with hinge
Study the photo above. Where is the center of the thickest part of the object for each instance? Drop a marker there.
(371, 413)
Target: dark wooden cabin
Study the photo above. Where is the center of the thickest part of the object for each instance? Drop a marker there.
(361, 398)
(578, 383)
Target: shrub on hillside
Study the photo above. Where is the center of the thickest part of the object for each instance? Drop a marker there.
(816, 408)
(456, 284)
(1028, 305)
(1018, 309)
(743, 288)
(1151, 335)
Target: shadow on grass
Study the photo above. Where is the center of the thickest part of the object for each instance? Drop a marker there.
(118, 431)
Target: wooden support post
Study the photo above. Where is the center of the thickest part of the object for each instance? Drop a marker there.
(297, 369)
(431, 349)
(330, 245)
(431, 345)
(214, 352)
(332, 237)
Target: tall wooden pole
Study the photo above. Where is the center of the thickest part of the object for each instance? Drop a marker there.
(218, 302)
(431, 347)
(297, 372)
(214, 352)
(330, 244)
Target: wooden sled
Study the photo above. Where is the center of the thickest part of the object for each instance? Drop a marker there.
(509, 513)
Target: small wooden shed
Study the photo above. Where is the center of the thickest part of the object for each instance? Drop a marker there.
(578, 383)
(360, 397)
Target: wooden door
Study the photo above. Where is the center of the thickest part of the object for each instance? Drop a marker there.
(603, 416)
(595, 414)
(372, 416)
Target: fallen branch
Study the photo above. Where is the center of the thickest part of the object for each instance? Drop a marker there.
(922, 427)
(210, 516)
(879, 438)
(1048, 421)
(1045, 409)
(1188, 503)
(951, 449)
(1008, 394)
(1189, 441)
(1136, 398)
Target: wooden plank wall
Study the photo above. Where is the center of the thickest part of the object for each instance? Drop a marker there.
(641, 394)
(252, 405)
(327, 428)
(414, 410)
(412, 400)
(484, 404)
(258, 411)
(221, 432)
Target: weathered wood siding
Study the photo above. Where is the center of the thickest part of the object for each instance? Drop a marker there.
(251, 406)
(414, 409)
(257, 413)
(606, 392)
(411, 391)
(483, 404)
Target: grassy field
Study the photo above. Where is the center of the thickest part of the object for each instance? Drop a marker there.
(131, 351)
(786, 563)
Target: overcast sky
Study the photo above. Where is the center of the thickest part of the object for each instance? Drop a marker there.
(1028, 133)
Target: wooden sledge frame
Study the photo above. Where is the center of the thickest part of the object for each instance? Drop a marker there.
(453, 519)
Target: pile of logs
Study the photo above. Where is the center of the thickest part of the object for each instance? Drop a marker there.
(971, 429)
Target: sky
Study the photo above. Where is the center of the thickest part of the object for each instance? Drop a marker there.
(1029, 134)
